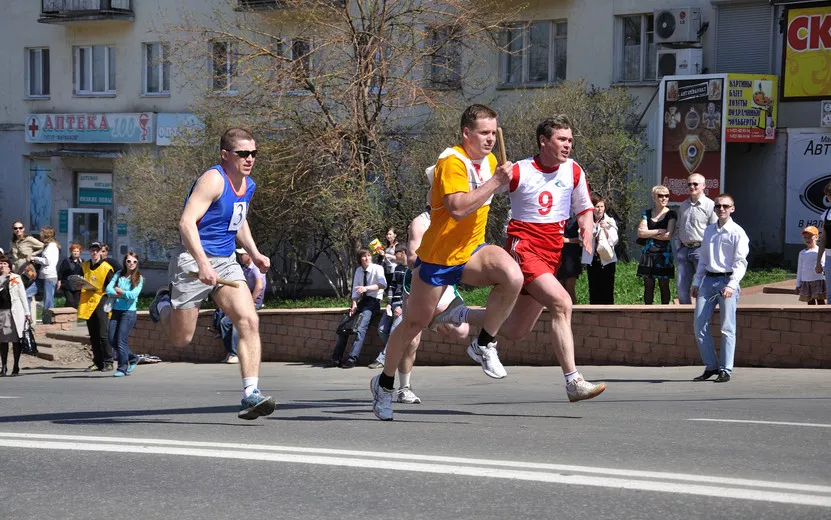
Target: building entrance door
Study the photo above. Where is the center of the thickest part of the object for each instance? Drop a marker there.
(85, 226)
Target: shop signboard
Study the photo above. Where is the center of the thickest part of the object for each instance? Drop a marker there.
(90, 128)
(809, 171)
(751, 108)
(806, 57)
(169, 126)
(95, 189)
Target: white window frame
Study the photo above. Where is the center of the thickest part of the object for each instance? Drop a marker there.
(109, 55)
(554, 40)
(440, 75)
(44, 68)
(162, 50)
(231, 72)
(648, 52)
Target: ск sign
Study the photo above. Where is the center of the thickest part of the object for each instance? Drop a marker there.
(806, 64)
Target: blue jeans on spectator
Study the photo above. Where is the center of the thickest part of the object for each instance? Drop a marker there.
(367, 312)
(686, 262)
(709, 294)
(385, 328)
(32, 290)
(121, 324)
(48, 293)
(230, 334)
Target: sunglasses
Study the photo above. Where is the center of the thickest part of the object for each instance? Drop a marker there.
(662, 195)
(243, 154)
(132, 261)
(693, 184)
(722, 206)
(17, 227)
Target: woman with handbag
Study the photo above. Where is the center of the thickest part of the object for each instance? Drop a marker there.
(655, 234)
(14, 313)
(71, 265)
(123, 290)
(23, 249)
(602, 261)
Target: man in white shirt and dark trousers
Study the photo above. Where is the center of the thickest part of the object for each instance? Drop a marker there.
(368, 286)
(694, 215)
(722, 263)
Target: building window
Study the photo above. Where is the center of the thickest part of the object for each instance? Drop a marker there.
(224, 67)
(156, 57)
(534, 53)
(445, 55)
(37, 72)
(296, 66)
(94, 70)
(636, 52)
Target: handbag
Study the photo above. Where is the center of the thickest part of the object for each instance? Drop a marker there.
(347, 324)
(27, 342)
(604, 249)
(109, 301)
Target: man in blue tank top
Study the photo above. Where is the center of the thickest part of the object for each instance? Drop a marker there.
(213, 222)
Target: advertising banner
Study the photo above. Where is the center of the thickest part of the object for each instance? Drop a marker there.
(90, 128)
(751, 108)
(809, 170)
(806, 60)
(692, 133)
(169, 126)
(95, 189)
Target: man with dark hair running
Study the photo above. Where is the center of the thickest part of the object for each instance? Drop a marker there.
(213, 221)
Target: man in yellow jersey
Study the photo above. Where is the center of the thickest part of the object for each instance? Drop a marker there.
(453, 251)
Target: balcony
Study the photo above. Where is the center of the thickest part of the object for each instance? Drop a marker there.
(74, 11)
(270, 5)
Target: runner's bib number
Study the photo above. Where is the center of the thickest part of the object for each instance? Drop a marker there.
(238, 216)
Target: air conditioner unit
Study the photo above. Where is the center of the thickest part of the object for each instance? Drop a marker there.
(677, 25)
(679, 62)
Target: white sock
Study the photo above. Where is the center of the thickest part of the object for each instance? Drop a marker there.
(571, 376)
(249, 384)
(403, 379)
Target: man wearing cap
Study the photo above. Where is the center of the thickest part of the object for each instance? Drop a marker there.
(722, 263)
(91, 308)
(256, 284)
(694, 215)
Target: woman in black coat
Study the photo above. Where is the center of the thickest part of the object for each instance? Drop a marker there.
(69, 266)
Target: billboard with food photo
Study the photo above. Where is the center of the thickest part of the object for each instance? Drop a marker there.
(691, 135)
(751, 108)
(806, 60)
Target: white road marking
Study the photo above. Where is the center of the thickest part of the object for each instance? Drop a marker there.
(744, 489)
(9, 397)
(775, 423)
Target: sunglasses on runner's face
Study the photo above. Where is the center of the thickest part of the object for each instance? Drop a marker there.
(243, 154)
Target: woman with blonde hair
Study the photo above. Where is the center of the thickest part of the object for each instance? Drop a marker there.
(48, 276)
(655, 234)
(23, 249)
(14, 313)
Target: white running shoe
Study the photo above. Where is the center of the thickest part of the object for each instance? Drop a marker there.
(489, 359)
(405, 395)
(231, 359)
(382, 399)
(448, 315)
(580, 389)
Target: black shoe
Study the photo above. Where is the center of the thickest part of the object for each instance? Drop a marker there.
(15, 371)
(331, 364)
(92, 368)
(349, 363)
(706, 375)
(723, 377)
(107, 368)
(3, 371)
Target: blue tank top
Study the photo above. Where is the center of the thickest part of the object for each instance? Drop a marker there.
(219, 225)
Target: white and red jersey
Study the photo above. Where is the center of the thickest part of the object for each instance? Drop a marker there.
(542, 200)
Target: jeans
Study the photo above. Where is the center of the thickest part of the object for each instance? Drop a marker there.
(230, 334)
(709, 294)
(686, 263)
(385, 328)
(32, 290)
(121, 324)
(48, 293)
(367, 313)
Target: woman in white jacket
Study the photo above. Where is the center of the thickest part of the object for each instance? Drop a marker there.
(48, 260)
(14, 311)
(602, 261)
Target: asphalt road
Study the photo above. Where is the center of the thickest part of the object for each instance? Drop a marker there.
(165, 443)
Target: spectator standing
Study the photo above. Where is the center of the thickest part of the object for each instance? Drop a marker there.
(389, 257)
(91, 308)
(125, 287)
(105, 256)
(654, 232)
(810, 285)
(824, 243)
(256, 284)
(23, 249)
(48, 260)
(721, 266)
(14, 312)
(694, 215)
(368, 286)
(601, 261)
(391, 316)
(69, 266)
(571, 267)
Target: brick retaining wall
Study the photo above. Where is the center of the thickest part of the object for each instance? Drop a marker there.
(768, 336)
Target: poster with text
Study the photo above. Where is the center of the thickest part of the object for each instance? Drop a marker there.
(806, 60)
(809, 170)
(751, 108)
(692, 133)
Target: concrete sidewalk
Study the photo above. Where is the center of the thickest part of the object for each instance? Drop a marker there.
(779, 293)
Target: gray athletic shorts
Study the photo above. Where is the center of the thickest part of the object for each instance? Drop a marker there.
(188, 292)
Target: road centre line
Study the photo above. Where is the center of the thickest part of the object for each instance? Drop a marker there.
(557, 474)
(9, 397)
(774, 423)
